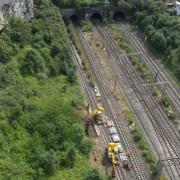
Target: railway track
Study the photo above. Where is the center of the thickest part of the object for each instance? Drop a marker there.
(170, 152)
(110, 106)
(134, 74)
(93, 103)
(171, 89)
(163, 135)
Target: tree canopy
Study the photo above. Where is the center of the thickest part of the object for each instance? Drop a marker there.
(162, 30)
(40, 129)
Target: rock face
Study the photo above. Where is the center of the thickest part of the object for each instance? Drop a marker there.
(21, 8)
(178, 8)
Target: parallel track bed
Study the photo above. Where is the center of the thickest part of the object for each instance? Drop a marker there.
(83, 81)
(111, 106)
(167, 136)
(171, 89)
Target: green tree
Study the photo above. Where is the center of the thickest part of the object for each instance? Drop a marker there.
(148, 20)
(40, 129)
(86, 146)
(48, 163)
(19, 30)
(5, 52)
(71, 157)
(93, 175)
(32, 62)
(55, 49)
(175, 57)
(162, 30)
(159, 41)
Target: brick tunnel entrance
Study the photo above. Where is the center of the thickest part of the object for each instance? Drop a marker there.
(96, 17)
(119, 16)
(74, 18)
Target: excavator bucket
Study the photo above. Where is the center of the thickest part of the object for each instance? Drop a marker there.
(100, 109)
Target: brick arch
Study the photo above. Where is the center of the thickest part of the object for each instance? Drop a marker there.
(73, 17)
(119, 15)
(96, 15)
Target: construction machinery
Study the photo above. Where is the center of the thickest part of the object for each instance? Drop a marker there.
(116, 153)
(96, 91)
(97, 114)
(112, 152)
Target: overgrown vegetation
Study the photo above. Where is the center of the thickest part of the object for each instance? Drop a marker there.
(162, 31)
(85, 3)
(77, 3)
(127, 113)
(140, 66)
(75, 40)
(87, 26)
(40, 130)
(144, 72)
(165, 103)
(140, 140)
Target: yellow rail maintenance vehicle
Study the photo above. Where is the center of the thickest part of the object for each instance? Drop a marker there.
(113, 149)
(98, 115)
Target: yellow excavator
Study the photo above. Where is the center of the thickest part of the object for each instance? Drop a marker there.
(97, 115)
(94, 115)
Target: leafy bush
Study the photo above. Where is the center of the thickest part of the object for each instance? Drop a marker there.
(5, 51)
(134, 61)
(74, 38)
(165, 101)
(93, 175)
(146, 153)
(71, 157)
(86, 25)
(19, 31)
(86, 146)
(137, 135)
(32, 62)
(172, 115)
(48, 163)
(129, 116)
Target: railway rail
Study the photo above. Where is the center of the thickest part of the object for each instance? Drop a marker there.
(90, 97)
(170, 152)
(143, 90)
(110, 106)
(171, 89)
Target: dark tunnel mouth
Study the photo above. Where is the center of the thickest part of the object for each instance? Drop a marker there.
(74, 18)
(96, 16)
(119, 16)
